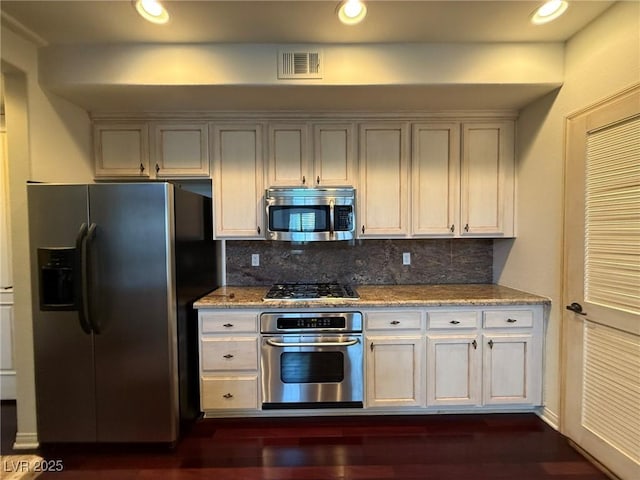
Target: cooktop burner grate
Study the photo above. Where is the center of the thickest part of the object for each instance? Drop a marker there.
(307, 291)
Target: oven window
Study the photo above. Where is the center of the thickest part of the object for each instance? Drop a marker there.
(298, 219)
(312, 367)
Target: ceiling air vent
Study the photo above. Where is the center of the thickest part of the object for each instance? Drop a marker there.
(299, 64)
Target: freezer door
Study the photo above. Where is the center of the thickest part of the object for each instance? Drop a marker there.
(132, 303)
(64, 375)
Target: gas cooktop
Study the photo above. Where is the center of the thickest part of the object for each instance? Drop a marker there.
(311, 291)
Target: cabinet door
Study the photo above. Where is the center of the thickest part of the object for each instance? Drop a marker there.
(435, 161)
(453, 370)
(121, 150)
(394, 371)
(333, 155)
(238, 180)
(487, 188)
(288, 155)
(181, 150)
(384, 189)
(509, 374)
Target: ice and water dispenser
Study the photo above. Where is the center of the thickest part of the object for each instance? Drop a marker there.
(58, 278)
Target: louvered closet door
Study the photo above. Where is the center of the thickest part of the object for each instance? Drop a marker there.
(601, 388)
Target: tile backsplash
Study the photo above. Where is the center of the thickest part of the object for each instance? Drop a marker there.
(361, 262)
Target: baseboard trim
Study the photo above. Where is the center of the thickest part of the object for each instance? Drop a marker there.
(26, 441)
(550, 418)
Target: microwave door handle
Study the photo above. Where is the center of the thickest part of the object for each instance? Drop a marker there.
(331, 218)
(347, 343)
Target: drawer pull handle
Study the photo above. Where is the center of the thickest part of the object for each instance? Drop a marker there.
(228, 355)
(491, 343)
(228, 325)
(454, 322)
(511, 320)
(395, 322)
(475, 345)
(227, 395)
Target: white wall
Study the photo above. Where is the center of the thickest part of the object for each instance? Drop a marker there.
(48, 139)
(601, 60)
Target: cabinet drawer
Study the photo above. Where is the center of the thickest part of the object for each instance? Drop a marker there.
(222, 322)
(453, 320)
(239, 392)
(224, 353)
(508, 319)
(394, 320)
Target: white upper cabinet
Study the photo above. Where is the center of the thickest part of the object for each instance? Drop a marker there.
(151, 150)
(334, 155)
(181, 150)
(420, 177)
(238, 180)
(288, 163)
(121, 149)
(310, 155)
(435, 173)
(384, 186)
(487, 181)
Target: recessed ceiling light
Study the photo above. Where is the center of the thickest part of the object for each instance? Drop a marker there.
(549, 11)
(152, 11)
(351, 12)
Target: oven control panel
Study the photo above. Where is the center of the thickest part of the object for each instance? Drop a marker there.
(292, 322)
(310, 323)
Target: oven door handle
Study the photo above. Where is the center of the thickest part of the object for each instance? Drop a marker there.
(348, 343)
(331, 218)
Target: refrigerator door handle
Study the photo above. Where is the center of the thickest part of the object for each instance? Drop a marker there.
(85, 254)
(80, 271)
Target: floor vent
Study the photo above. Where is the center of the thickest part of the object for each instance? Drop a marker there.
(299, 64)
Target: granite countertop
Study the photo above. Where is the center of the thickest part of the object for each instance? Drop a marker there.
(378, 296)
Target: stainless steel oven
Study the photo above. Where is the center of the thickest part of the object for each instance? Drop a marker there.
(312, 360)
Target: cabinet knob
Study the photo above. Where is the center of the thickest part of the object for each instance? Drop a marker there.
(318, 180)
(395, 322)
(259, 229)
(511, 320)
(141, 168)
(228, 325)
(371, 347)
(363, 229)
(466, 227)
(157, 168)
(453, 228)
(304, 180)
(491, 343)
(454, 322)
(475, 345)
(228, 355)
(227, 395)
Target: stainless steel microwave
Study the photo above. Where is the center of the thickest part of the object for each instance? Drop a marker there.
(310, 214)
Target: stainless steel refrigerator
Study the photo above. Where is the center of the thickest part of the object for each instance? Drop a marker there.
(115, 270)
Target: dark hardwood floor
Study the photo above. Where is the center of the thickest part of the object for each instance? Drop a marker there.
(505, 446)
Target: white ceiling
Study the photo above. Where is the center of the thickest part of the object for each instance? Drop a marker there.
(115, 21)
(112, 22)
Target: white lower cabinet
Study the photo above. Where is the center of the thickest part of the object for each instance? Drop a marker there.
(473, 358)
(394, 371)
(233, 392)
(498, 362)
(453, 370)
(394, 358)
(229, 359)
